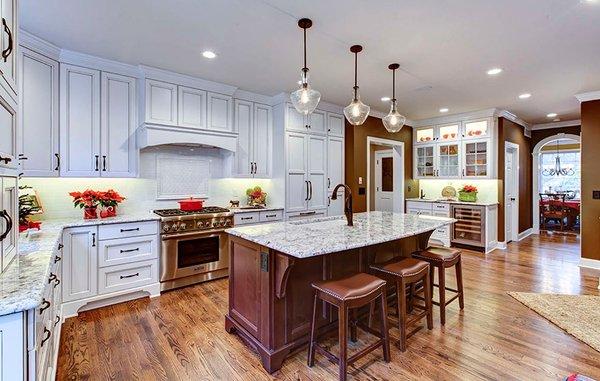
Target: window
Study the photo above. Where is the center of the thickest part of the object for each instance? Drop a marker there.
(553, 184)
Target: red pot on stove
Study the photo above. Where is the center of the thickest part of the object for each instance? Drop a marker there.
(190, 204)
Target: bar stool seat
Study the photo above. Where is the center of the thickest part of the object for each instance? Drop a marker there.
(446, 255)
(405, 268)
(346, 294)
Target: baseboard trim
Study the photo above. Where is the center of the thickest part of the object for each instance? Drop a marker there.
(525, 234)
(592, 265)
(501, 245)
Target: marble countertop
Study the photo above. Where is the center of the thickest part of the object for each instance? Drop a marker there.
(318, 236)
(22, 283)
(247, 210)
(479, 203)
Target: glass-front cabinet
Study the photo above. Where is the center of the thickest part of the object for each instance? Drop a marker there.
(448, 132)
(476, 158)
(425, 135)
(425, 161)
(476, 129)
(448, 164)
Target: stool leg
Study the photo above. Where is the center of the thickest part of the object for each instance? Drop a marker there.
(353, 329)
(311, 344)
(371, 312)
(411, 298)
(401, 313)
(427, 295)
(343, 334)
(384, 327)
(442, 291)
(459, 283)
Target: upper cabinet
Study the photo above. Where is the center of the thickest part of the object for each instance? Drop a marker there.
(476, 129)
(8, 43)
(192, 107)
(254, 125)
(161, 102)
(335, 124)
(220, 112)
(8, 132)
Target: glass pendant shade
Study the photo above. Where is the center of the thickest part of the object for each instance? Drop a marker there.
(305, 99)
(356, 112)
(393, 121)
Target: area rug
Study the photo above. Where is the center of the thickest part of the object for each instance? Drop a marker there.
(578, 315)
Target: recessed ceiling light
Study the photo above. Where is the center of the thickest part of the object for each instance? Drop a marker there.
(385, 99)
(552, 115)
(524, 96)
(208, 54)
(444, 110)
(494, 71)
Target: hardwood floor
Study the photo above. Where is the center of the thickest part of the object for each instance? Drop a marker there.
(180, 335)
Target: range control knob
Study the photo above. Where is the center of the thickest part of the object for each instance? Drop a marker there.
(182, 226)
(215, 224)
(166, 228)
(199, 225)
(228, 223)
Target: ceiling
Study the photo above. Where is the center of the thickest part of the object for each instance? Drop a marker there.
(548, 48)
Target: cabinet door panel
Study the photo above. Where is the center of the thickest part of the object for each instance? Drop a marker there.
(297, 186)
(317, 166)
(8, 132)
(263, 122)
(9, 66)
(335, 124)
(12, 349)
(295, 120)
(39, 115)
(192, 107)
(80, 259)
(476, 158)
(9, 202)
(243, 125)
(335, 162)
(220, 112)
(79, 121)
(161, 102)
(336, 207)
(118, 126)
(318, 123)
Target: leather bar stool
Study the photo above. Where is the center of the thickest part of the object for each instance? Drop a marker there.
(443, 258)
(407, 272)
(348, 294)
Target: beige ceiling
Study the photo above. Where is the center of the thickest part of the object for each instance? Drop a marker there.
(549, 48)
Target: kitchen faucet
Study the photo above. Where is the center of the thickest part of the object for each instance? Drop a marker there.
(347, 201)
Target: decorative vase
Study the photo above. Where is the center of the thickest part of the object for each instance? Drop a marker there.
(110, 211)
(467, 196)
(89, 213)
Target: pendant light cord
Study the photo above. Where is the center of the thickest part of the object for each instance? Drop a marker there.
(355, 76)
(304, 69)
(394, 85)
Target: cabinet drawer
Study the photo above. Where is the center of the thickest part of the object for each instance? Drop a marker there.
(418, 205)
(273, 215)
(127, 250)
(306, 215)
(439, 207)
(246, 218)
(132, 229)
(122, 277)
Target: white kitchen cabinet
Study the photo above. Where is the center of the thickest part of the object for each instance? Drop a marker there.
(8, 132)
(80, 263)
(9, 225)
(424, 161)
(335, 162)
(161, 102)
(192, 107)
(254, 124)
(79, 121)
(476, 129)
(12, 349)
(262, 140)
(477, 158)
(244, 119)
(424, 135)
(118, 125)
(335, 124)
(9, 30)
(440, 236)
(317, 122)
(335, 207)
(39, 131)
(220, 112)
(317, 172)
(448, 160)
(297, 172)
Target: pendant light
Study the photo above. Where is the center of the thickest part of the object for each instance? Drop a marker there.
(356, 112)
(393, 121)
(558, 170)
(305, 99)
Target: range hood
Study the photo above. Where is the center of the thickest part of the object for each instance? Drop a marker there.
(149, 135)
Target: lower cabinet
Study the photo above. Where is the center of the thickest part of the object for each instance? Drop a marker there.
(306, 215)
(257, 217)
(440, 236)
(12, 351)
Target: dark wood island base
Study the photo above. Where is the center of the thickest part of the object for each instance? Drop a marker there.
(270, 294)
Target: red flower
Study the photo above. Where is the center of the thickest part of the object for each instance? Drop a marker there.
(469, 189)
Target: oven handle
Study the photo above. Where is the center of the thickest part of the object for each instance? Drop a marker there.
(203, 234)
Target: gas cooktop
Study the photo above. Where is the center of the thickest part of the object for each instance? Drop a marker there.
(179, 212)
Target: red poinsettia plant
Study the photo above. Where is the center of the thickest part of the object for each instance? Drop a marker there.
(469, 189)
(110, 198)
(85, 199)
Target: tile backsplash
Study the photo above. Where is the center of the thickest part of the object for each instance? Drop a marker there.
(487, 189)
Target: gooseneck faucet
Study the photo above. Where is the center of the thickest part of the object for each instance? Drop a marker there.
(347, 201)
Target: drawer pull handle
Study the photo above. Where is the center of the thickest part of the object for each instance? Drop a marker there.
(51, 278)
(130, 230)
(129, 276)
(246, 218)
(308, 213)
(57, 258)
(57, 320)
(45, 305)
(271, 215)
(56, 282)
(130, 250)
(60, 246)
(47, 334)
(93, 239)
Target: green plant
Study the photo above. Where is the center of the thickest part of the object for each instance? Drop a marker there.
(27, 206)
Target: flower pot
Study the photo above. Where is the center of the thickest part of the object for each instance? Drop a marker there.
(89, 213)
(110, 211)
(467, 196)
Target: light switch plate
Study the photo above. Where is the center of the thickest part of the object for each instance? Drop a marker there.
(360, 181)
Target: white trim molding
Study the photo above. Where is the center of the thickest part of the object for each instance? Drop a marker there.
(398, 160)
(186, 80)
(566, 123)
(38, 45)
(98, 63)
(589, 96)
(591, 264)
(513, 118)
(525, 234)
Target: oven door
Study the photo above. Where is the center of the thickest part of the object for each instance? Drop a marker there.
(192, 254)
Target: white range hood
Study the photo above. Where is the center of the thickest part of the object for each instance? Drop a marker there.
(149, 135)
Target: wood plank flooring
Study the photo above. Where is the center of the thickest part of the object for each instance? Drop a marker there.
(180, 335)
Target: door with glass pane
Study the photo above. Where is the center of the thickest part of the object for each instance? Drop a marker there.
(476, 158)
(448, 160)
(425, 161)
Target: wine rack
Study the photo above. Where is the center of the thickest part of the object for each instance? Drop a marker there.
(469, 228)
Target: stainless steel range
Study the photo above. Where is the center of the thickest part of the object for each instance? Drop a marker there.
(194, 246)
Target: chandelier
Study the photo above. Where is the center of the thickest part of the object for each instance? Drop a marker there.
(558, 170)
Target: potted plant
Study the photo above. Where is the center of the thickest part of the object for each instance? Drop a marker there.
(28, 205)
(88, 200)
(108, 201)
(256, 197)
(468, 193)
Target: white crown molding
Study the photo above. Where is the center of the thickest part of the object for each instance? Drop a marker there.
(566, 123)
(186, 80)
(87, 60)
(252, 97)
(512, 117)
(455, 117)
(589, 96)
(39, 45)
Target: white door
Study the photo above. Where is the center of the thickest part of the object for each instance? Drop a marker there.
(262, 140)
(8, 132)
(335, 124)
(9, 32)
(384, 181)
(39, 129)
(335, 160)
(220, 112)
(511, 191)
(424, 161)
(79, 121)
(161, 102)
(297, 191)
(9, 202)
(295, 121)
(317, 172)
(476, 158)
(119, 156)
(317, 123)
(12, 348)
(243, 125)
(448, 160)
(80, 260)
(192, 107)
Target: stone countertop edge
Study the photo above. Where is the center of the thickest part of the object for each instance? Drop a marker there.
(22, 283)
(478, 203)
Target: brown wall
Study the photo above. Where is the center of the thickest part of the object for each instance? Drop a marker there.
(356, 158)
(538, 135)
(514, 133)
(590, 179)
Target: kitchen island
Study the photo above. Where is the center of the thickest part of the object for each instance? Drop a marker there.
(273, 265)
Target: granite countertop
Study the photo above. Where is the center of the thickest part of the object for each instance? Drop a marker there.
(479, 203)
(22, 283)
(247, 210)
(318, 236)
